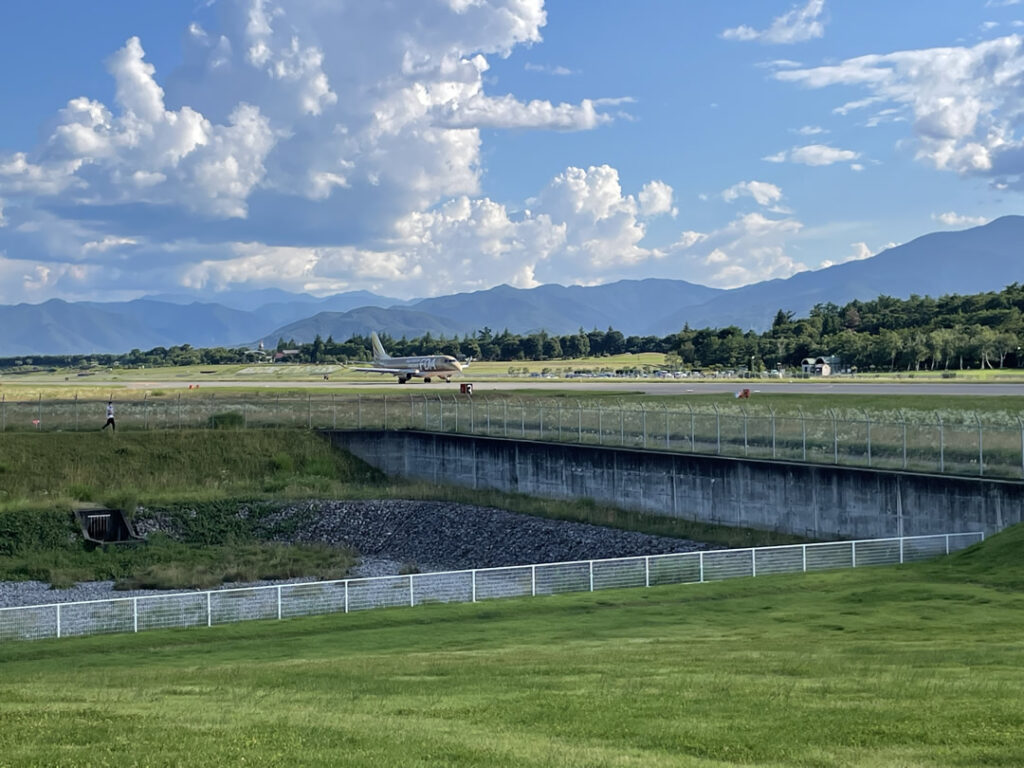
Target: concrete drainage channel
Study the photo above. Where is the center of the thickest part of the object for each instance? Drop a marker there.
(435, 536)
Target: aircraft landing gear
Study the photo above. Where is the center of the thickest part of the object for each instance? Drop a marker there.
(402, 379)
(426, 380)
(447, 379)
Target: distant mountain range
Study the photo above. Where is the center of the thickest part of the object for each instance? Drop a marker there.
(984, 258)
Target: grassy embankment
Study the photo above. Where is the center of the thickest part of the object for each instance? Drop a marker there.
(201, 477)
(920, 665)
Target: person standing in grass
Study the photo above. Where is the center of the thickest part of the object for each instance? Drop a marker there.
(110, 417)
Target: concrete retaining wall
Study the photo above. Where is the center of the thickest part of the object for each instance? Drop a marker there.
(806, 499)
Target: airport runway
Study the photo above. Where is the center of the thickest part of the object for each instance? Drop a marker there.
(647, 387)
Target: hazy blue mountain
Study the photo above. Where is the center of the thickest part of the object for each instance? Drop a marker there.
(985, 258)
(58, 327)
(634, 306)
(396, 321)
(236, 299)
(979, 259)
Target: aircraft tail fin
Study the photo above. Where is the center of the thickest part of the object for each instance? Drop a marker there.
(378, 348)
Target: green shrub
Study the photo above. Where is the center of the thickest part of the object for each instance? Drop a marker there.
(228, 420)
(80, 492)
(282, 462)
(27, 528)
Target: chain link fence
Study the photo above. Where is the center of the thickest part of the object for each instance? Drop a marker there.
(225, 606)
(962, 443)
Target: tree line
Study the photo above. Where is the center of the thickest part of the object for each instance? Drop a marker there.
(984, 330)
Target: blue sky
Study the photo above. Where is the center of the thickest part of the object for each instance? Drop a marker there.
(424, 147)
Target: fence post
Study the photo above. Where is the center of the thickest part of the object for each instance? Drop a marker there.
(853, 554)
(647, 571)
(903, 423)
(803, 430)
(835, 437)
(901, 550)
(702, 566)
(474, 584)
(346, 595)
(718, 430)
(753, 562)
(1020, 420)
(412, 595)
(981, 445)
(947, 543)
(278, 602)
(135, 614)
(868, 417)
(209, 609)
(58, 621)
(533, 581)
(942, 443)
(693, 430)
(591, 575)
(804, 548)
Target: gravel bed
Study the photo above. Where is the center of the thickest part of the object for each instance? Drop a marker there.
(445, 536)
(435, 536)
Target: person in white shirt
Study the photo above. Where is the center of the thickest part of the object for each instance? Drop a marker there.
(110, 417)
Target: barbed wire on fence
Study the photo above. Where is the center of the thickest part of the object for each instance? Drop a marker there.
(196, 609)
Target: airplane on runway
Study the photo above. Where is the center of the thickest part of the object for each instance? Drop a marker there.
(426, 367)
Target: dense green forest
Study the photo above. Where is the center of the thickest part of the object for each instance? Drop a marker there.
(984, 330)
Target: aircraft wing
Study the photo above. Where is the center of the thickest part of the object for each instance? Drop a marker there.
(392, 371)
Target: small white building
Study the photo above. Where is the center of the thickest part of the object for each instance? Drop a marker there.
(817, 366)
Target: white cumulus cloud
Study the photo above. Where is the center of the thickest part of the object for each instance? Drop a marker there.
(749, 249)
(965, 103)
(764, 193)
(798, 25)
(815, 155)
(952, 219)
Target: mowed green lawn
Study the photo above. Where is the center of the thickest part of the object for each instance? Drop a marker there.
(911, 666)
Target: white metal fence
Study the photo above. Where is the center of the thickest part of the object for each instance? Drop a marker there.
(195, 609)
